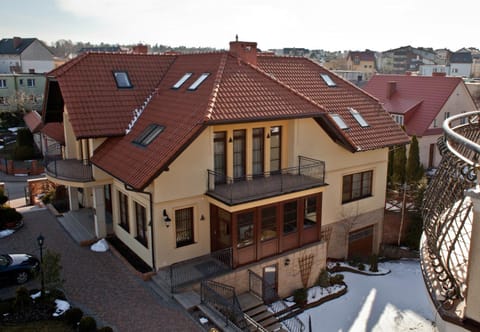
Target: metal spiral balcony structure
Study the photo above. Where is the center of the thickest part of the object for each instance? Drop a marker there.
(448, 214)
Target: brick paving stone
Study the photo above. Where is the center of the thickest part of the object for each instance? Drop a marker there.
(99, 283)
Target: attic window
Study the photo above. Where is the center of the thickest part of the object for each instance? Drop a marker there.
(328, 80)
(339, 121)
(182, 80)
(149, 134)
(361, 121)
(199, 81)
(122, 79)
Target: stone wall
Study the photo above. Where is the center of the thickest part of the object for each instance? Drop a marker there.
(288, 270)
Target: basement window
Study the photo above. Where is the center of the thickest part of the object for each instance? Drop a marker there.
(199, 81)
(122, 79)
(339, 121)
(328, 80)
(361, 121)
(149, 134)
(182, 80)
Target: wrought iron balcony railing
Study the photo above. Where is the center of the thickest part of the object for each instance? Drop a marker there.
(447, 213)
(67, 169)
(309, 173)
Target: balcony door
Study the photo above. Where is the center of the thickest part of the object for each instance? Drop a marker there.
(275, 149)
(220, 156)
(258, 151)
(239, 154)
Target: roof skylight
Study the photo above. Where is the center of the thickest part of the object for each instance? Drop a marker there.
(339, 121)
(361, 121)
(122, 79)
(182, 80)
(328, 80)
(199, 81)
(149, 134)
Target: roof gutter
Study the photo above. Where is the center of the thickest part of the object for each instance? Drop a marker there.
(151, 223)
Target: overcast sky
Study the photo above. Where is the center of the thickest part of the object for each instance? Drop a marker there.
(314, 24)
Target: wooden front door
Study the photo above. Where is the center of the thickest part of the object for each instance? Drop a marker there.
(221, 228)
(360, 243)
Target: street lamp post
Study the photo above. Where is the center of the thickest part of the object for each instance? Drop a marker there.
(40, 240)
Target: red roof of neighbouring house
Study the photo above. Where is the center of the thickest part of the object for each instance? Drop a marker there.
(362, 55)
(234, 92)
(422, 97)
(33, 120)
(55, 131)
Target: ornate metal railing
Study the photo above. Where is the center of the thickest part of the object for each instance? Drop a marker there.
(264, 290)
(222, 298)
(446, 210)
(235, 190)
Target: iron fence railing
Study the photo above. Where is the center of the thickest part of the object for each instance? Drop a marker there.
(264, 290)
(447, 213)
(222, 298)
(234, 190)
(200, 268)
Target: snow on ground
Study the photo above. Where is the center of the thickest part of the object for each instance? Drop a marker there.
(100, 246)
(6, 232)
(396, 302)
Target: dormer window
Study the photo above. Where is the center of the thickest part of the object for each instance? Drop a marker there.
(149, 134)
(361, 121)
(199, 81)
(328, 80)
(182, 80)
(339, 121)
(122, 79)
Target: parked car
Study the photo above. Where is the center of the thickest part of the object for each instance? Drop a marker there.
(17, 268)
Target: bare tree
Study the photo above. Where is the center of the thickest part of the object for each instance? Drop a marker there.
(349, 220)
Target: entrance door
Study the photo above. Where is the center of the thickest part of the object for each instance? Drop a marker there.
(270, 283)
(360, 243)
(221, 228)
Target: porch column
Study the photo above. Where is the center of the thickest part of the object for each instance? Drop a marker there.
(99, 206)
(472, 297)
(73, 198)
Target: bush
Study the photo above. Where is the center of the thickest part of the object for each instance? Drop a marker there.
(23, 300)
(105, 329)
(24, 152)
(5, 307)
(323, 279)
(3, 198)
(361, 266)
(354, 261)
(300, 296)
(373, 263)
(73, 316)
(87, 324)
(9, 215)
(337, 279)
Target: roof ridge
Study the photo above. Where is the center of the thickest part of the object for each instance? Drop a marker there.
(63, 68)
(216, 85)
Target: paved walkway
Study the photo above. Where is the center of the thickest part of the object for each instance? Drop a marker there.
(99, 283)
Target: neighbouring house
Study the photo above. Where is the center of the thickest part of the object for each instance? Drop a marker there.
(362, 61)
(21, 92)
(421, 104)
(25, 55)
(274, 160)
(49, 138)
(461, 64)
(404, 59)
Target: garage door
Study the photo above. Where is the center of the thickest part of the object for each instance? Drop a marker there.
(360, 242)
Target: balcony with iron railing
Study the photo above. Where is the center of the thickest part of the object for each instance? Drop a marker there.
(309, 173)
(72, 170)
(449, 228)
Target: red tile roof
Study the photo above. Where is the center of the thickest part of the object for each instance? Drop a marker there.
(303, 75)
(421, 97)
(235, 91)
(33, 120)
(55, 131)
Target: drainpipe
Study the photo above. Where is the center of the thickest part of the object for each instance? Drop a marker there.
(151, 223)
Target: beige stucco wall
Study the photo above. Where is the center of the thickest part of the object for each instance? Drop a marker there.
(289, 276)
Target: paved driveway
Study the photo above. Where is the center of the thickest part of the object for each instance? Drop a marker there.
(98, 283)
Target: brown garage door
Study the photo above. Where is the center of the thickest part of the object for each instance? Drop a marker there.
(360, 242)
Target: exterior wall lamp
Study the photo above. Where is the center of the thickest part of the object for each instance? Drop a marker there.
(166, 218)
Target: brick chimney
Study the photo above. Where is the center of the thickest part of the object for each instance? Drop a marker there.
(17, 41)
(247, 51)
(391, 87)
(142, 49)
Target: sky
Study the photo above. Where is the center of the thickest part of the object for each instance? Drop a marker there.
(330, 25)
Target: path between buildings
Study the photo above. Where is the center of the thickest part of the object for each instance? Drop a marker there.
(99, 283)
